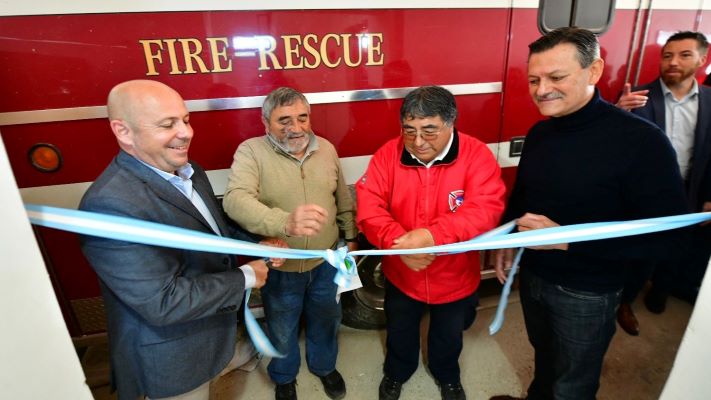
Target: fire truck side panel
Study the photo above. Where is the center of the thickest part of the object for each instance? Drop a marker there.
(71, 61)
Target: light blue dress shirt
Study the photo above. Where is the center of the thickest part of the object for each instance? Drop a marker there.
(680, 117)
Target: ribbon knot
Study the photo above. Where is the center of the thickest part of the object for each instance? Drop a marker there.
(344, 263)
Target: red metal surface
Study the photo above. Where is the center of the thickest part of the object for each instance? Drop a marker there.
(614, 49)
(73, 60)
(519, 113)
(71, 265)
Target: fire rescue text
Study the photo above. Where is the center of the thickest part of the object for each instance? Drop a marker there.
(215, 54)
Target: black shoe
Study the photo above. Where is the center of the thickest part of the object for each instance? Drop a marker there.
(452, 391)
(333, 385)
(389, 389)
(656, 300)
(286, 391)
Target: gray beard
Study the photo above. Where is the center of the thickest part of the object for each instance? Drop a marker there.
(284, 144)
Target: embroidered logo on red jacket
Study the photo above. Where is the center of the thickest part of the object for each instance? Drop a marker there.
(456, 198)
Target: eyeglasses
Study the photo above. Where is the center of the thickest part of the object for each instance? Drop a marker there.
(428, 133)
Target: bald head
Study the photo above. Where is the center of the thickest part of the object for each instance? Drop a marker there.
(127, 98)
(150, 122)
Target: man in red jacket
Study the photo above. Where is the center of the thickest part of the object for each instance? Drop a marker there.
(430, 186)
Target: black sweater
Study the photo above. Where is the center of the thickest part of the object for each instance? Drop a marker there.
(597, 164)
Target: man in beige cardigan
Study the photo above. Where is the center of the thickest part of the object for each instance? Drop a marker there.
(289, 184)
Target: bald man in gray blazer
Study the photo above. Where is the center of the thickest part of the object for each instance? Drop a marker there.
(172, 314)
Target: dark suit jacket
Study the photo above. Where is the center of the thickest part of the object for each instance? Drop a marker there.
(699, 181)
(172, 314)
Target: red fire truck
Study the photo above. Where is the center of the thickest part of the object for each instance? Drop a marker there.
(354, 60)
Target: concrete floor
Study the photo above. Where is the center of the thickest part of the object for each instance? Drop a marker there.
(635, 367)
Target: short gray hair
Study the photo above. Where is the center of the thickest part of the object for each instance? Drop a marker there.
(283, 96)
(429, 101)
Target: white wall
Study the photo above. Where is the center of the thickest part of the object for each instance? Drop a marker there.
(37, 358)
(689, 378)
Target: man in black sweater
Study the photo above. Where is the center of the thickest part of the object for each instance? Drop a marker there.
(589, 162)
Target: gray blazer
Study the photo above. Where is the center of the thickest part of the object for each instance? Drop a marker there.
(172, 314)
(699, 184)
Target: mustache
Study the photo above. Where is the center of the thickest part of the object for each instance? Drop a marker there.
(292, 135)
(550, 96)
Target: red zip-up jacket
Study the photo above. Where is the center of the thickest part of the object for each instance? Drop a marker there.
(456, 199)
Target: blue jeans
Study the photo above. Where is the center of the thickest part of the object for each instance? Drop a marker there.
(286, 295)
(444, 338)
(570, 331)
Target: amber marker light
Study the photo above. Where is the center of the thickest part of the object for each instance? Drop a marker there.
(45, 157)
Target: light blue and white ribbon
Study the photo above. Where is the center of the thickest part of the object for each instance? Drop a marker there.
(505, 292)
(559, 234)
(128, 229)
(151, 233)
(259, 339)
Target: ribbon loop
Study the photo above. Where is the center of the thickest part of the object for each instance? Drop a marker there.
(344, 264)
(259, 339)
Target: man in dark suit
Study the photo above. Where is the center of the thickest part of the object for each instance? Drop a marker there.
(172, 314)
(682, 108)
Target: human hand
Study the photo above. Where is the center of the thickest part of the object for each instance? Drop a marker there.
(260, 272)
(275, 242)
(353, 246)
(417, 262)
(503, 259)
(631, 100)
(705, 208)
(531, 222)
(415, 239)
(306, 220)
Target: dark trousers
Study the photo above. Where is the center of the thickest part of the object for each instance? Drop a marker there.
(636, 275)
(444, 338)
(570, 331)
(682, 277)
